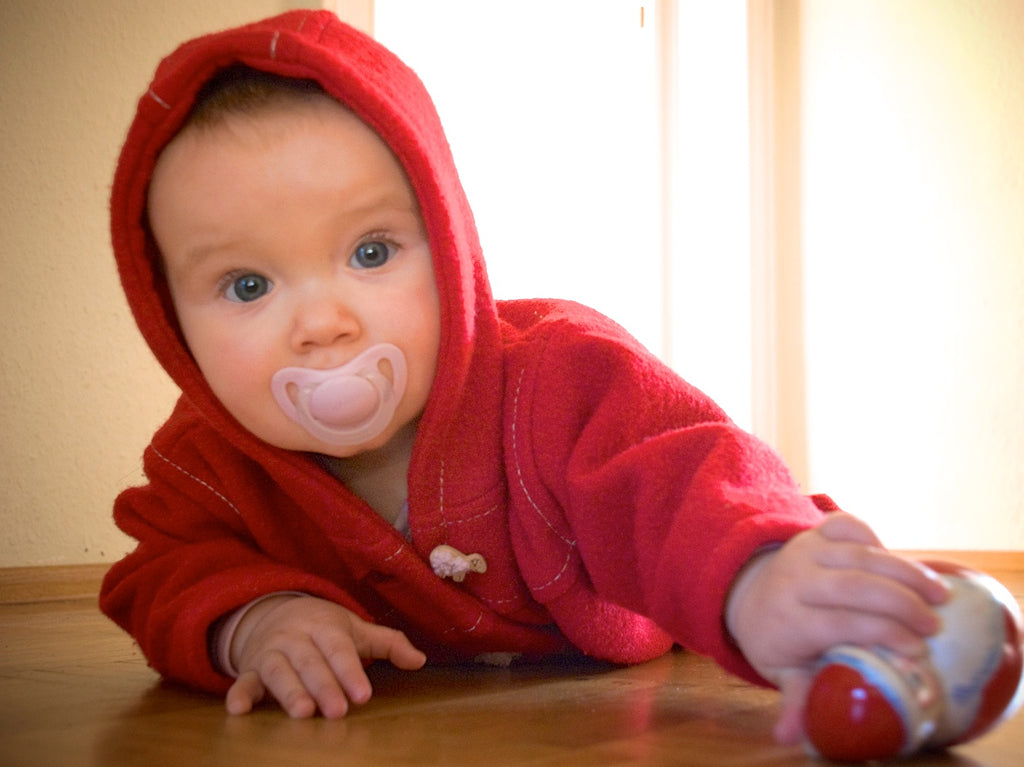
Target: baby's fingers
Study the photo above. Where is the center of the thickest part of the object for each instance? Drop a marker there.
(840, 526)
(245, 693)
(382, 643)
(368, 642)
(831, 627)
(292, 682)
(858, 548)
(867, 593)
(914, 577)
(347, 667)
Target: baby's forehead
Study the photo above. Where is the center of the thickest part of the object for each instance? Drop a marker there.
(294, 147)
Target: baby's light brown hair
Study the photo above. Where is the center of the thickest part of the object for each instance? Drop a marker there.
(241, 90)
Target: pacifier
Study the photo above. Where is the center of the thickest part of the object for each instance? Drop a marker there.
(347, 405)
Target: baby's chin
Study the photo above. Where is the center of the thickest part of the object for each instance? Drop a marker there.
(308, 444)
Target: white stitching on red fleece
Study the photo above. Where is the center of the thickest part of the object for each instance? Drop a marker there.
(519, 473)
(440, 497)
(397, 551)
(195, 479)
(474, 518)
(152, 94)
(447, 523)
(517, 599)
(470, 630)
(522, 484)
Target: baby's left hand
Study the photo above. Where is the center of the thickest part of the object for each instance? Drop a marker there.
(834, 584)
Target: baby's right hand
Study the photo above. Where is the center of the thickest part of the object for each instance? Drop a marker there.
(308, 654)
(830, 585)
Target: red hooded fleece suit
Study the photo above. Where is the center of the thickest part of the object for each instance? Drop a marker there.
(612, 502)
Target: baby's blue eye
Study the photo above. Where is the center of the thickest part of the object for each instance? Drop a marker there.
(247, 288)
(371, 255)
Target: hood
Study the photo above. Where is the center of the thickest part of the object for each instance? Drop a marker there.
(385, 94)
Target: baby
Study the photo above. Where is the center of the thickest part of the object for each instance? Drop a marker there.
(374, 459)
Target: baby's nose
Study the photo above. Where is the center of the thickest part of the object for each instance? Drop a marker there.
(323, 320)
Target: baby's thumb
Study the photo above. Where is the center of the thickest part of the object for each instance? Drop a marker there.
(789, 727)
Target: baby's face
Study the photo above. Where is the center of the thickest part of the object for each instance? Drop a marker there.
(293, 239)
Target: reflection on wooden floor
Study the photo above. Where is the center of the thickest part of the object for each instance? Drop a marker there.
(75, 691)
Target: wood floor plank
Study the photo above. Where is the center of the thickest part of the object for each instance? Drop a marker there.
(74, 690)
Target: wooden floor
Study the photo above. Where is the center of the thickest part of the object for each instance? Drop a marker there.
(75, 691)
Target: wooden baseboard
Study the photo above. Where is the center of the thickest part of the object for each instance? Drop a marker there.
(986, 561)
(50, 583)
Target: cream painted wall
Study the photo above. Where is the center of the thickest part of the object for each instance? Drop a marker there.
(911, 208)
(79, 392)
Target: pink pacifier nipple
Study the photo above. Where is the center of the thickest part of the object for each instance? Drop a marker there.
(347, 405)
(340, 402)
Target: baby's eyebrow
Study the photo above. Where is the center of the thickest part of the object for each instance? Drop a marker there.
(387, 203)
(195, 257)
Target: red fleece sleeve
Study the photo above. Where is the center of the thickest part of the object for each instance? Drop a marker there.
(196, 561)
(662, 497)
